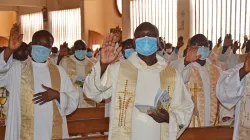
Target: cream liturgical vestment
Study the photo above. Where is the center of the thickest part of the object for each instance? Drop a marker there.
(131, 82)
(201, 83)
(232, 91)
(29, 121)
(79, 70)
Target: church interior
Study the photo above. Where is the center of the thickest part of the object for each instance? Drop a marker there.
(225, 25)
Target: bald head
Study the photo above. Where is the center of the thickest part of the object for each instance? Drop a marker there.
(146, 29)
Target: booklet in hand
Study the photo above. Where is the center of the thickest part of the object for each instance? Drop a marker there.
(161, 101)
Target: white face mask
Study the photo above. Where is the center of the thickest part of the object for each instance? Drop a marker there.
(169, 50)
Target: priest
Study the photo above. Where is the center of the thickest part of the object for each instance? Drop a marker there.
(136, 81)
(78, 66)
(200, 77)
(41, 94)
(233, 90)
(224, 53)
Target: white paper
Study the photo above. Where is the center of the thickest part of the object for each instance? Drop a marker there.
(162, 100)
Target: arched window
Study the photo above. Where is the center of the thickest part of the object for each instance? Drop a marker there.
(118, 6)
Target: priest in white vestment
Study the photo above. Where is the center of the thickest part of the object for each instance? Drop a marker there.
(136, 81)
(233, 89)
(90, 55)
(41, 94)
(78, 66)
(200, 77)
(224, 53)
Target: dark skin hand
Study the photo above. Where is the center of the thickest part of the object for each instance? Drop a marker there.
(46, 96)
(108, 54)
(192, 53)
(224, 119)
(236, 46)
(180, 42)
(15, 41)
(219, 42)
(161, 116)
(63, 52)
(246, 68)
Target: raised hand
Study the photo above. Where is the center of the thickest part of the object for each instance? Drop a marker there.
(192, 55)
(180, 42)
(245, 38)
(64, 50)
(117, 32)
(46, 96)
(246, 68)
(219, 41)
(236, 46)
(16, 37)
(108, 52)
(15, 41)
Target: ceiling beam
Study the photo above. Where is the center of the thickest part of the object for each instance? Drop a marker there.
(26, 3)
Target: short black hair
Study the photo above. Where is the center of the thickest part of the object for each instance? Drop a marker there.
(89, 50)
(80, 43)
(147, 26)
(54, 49)
(42, 33)
(197, 38)
(127, 42)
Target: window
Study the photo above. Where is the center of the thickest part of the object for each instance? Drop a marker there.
(118, 4)
(216, 18)
(31, 23)
(65, 26)
(162, 13)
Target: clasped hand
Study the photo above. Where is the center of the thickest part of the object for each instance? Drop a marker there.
(46, 96)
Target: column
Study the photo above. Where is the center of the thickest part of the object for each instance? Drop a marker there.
(82, 20)
(126, 27)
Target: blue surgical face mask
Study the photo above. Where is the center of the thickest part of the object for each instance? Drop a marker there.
(204, 52)
(40, 53)
(129, 52)
(80, 54)
(89, 54)
(161, 53)
(146, 45)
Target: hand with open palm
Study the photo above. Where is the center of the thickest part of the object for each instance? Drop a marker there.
(192, 55)
(15, 41)
(236, 46)
(108, 52)
(16, 37)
